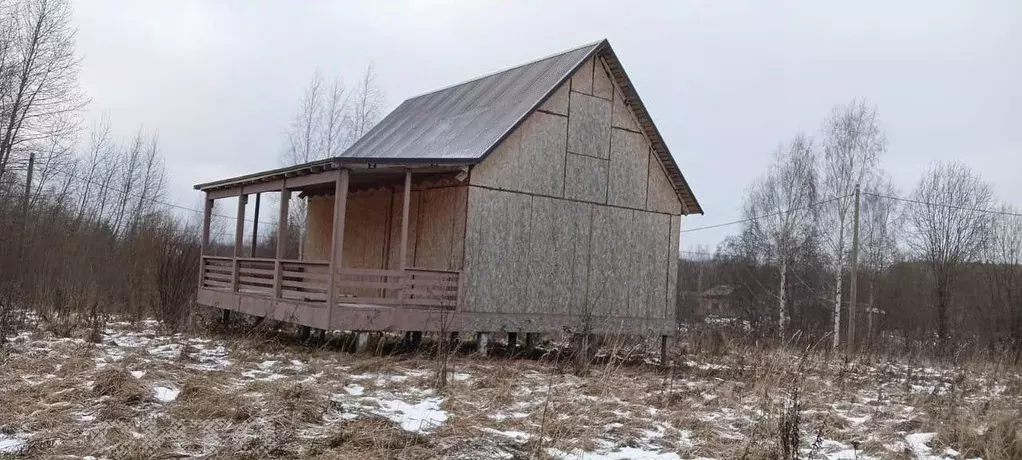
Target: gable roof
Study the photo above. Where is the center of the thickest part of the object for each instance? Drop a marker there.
(465, 122)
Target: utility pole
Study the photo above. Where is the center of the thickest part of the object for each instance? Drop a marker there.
(853, 281)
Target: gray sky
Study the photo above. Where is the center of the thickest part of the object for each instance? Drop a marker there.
(724, 81)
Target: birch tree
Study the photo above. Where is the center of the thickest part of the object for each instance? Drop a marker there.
(1004, 257)
(951, 224)
(853, 143)
(781, 212)
(880, 228)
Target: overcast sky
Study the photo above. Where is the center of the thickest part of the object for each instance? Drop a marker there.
(725, 82)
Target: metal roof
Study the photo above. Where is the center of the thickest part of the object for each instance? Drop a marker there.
(462, 124)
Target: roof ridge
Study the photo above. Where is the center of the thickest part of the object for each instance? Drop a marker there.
(552, 56)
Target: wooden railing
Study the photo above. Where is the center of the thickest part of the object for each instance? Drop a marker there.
(306, 281)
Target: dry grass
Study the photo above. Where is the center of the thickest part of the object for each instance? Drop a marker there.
(119, 385)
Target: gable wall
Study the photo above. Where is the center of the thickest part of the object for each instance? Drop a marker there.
(572, 215)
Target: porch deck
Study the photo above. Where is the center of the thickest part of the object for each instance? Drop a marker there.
(299, 291)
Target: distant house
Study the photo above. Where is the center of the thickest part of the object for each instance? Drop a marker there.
(535, 199)
(717, 301)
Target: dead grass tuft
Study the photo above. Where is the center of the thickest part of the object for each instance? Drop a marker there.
(296, 403)
(120, 385)
(202, 399)
(373, 434)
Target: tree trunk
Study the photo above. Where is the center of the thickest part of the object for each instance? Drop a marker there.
(781, 299)
(871, 308)
(837, 308)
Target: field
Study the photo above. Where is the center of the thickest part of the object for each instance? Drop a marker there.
(137, 392)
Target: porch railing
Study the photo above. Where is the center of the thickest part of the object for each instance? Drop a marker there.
(306, 281)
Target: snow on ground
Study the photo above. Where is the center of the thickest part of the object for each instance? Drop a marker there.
(188, 395)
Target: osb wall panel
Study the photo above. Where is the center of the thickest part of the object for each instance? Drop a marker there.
(558, 256)
(585, 178)
(365, 230)
(558, 101)
(497, 250)
(649, 294)
(629, 167)
(396, 210)
(603, 86)
(531, 160)
(660, 195)
(582, 80)
(319, 228)
(440, 229)
(610, 261)
(623, 117)
(672, 268)
(588, 125)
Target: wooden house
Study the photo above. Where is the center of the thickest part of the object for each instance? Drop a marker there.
(540, 198)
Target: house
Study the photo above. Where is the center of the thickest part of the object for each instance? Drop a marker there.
(717, 302)
(537, 199)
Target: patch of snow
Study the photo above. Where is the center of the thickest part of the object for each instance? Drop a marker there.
(263, 375)
(11, 445)
(519, 436)
(418, 417)
(919, 444)
(138, 374)
(625, 453)
(165, 394)
(267, 365)
(168, 351)
(354, 390)
(461, 377)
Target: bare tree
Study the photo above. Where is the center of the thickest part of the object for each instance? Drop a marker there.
(781, 212)
(951, 223)
(1004, 257)
(367, 105)
(40, 99)
(852, 146)
(880, 229)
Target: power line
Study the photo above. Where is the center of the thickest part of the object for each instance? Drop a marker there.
(944, 205)
(750, 219)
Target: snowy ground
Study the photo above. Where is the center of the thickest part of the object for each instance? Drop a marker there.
(143, 394)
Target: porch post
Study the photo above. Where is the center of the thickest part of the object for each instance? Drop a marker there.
(239, 235)
(278, 268)
(403, 253)
(337, 242)
(207, 215)
(255, 225)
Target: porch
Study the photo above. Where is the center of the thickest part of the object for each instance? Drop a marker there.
(329, 285)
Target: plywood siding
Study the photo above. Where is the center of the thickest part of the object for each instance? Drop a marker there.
(558, 256)
(319, 228)
(588, 125)
(603, 85)
(440, 229)
(530, 160)
(366, 225)
(629, 166)
(585, 178)
(497, 250)
(582, 80)
(670, 310)
(558, 101)
(660, 195)
(396, 205)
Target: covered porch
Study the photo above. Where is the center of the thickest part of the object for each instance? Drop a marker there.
(358, 268)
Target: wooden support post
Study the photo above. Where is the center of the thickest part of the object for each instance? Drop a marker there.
(403, 252)
(239, 235)
(530, 341)
(416, 339)
(303, 333)
(663, 349)
(853, 283)
(282, 238)
(483, 342)
(512, 340)
(225, 317)
(255, 225)
(337, 242)
(207, 216)
(362, 342)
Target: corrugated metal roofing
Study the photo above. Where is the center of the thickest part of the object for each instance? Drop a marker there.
(464, 121)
